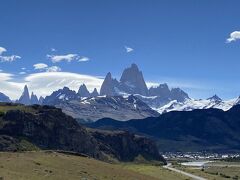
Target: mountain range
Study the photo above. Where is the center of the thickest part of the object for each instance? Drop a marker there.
(212, 130)
(124, 99)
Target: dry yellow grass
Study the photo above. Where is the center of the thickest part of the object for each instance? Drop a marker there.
(57, 166)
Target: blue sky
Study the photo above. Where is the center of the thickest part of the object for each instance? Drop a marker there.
(183, 43)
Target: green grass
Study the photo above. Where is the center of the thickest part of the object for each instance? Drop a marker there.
(4, 108)
(155, 171)
(57, 166)
(216, 173)
(25, 145)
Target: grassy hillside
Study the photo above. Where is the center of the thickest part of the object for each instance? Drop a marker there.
(57, 166)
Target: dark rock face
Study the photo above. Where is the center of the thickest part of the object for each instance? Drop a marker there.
(109, 86)
(8, 143)
(125, 146)
(197, 130)
(83, 91)
(162, 90)
(165, 94)
(4, 98)
(178, 94)
(59, 96)
(132, 81)
(48, 128)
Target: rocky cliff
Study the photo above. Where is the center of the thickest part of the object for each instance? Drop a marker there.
(47, 127)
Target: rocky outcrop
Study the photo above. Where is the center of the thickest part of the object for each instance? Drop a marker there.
(83, 91)
(125, 145)
(49, 128)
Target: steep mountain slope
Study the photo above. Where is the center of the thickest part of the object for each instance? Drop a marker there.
(191, 104)
(83, 91)
(94, 108)
(49, 128)
(4, 98)
(132, 81)
(197, 130)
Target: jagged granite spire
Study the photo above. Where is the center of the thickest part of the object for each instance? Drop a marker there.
(109, 86)
(41, 99)
(94, 93)
(132, 81)
(83, 91)
(34, 99)
(25, 99)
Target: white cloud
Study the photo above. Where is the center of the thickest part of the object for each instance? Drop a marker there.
(128, 49)
(2, 50)
(9, 58)
(40, 66)
(234, 36)
(67, 57)
(46, 82)
(152, 84)
(83, 59)
(53, 69)
(23, 68)
(53, 50)
(22, 73)
(5, 76)
(9, 88)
